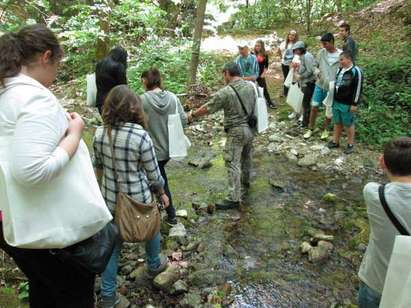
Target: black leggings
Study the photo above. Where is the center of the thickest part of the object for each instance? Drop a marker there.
(171, 211)
(285, 69)
(308, 91)
(263, 84)
(52, 282)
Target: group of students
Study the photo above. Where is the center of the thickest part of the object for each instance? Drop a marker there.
(131, 152)
(331, 79)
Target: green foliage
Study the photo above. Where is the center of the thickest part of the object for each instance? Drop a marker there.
(23, 291)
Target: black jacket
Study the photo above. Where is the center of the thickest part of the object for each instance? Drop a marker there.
(348, 90)
(109, 73)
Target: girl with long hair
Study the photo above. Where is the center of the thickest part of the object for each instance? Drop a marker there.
(263, 62)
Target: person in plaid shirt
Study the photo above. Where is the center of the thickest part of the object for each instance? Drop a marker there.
(138, 174)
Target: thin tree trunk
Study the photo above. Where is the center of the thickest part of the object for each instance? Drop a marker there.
(198, 31)
(103, 43)
(308, 18)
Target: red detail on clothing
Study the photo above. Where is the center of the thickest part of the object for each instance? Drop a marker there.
(260, 58)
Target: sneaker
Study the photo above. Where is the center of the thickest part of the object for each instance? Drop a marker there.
(308, 134)
(110, 301)
(292, 115)
(332, 145)
(300, 119)
(152, 273)
(324, 135)
(272, 106)
(349, 149)
(171, 221)
(227, 205)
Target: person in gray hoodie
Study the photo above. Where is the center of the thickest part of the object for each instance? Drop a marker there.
(328, 63)
(305, 77)
(158, 104)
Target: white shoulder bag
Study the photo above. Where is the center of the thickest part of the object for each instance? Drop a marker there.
(58, 214)
(91, 90)
(178, 143)
(295, 98)
(260, 110)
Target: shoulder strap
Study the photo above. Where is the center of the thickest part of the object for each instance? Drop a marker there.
(390, 214)
(241, 101)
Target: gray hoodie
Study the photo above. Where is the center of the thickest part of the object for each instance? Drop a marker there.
(327, 72)
(157, 106)
(307, 68)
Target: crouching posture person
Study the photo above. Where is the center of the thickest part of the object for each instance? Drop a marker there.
(237, 100)
(396, 162)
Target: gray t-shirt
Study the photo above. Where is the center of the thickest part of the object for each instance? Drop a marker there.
(382, 232)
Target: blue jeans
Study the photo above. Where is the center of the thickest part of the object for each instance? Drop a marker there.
(367, 297)
(109, 276)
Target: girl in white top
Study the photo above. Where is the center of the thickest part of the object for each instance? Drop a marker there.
(286, 54)
(43, 140)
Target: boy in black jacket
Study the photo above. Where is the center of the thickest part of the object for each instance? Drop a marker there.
(347, 92)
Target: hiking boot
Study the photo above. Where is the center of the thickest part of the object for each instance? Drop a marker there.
(332, 145)
(161, 268)
(227, 205)
(171, 221)
(308, 134)
(324, 135)
(349, 149)
(110, 301)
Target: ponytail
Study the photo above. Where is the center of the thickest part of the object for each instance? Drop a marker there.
(21, 48)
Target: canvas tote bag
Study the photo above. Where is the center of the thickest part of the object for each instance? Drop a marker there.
(289, 80)
(178, 142)
(91, 90)
(295, 98)
(136, 221)
(260, 110)
(58, 214)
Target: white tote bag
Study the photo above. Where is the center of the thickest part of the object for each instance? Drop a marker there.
(260, 110)
(178, 143)
(91, 90)
(289, 80)
(295, 98)
(328, 101)
(57, 214)
(397, 284)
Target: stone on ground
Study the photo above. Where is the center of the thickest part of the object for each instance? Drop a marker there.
(178, 231)
(166, 279)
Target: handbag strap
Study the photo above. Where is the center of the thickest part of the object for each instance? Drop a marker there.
(241, 101)
(389, 213)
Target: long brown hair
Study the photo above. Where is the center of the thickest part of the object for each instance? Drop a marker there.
(287, 40)
(122, 105)
(262, 50)
(21, 48)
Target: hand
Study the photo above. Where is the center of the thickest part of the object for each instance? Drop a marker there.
(76, 124)
(164, 200)
(353, 108)
(189, 116)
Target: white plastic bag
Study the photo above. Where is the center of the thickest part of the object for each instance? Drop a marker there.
(328, 101)
(91, 90)
(178, 142)
(295, 98)
(289, 80)
(57, 214)
(397, 284)
(260, 110)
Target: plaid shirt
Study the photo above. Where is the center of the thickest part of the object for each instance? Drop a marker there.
(136, 162)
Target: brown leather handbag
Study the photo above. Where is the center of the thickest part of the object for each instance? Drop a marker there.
(137, 221)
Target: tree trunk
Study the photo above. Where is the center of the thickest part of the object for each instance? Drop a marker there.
(103, 42)
(308, 17)
(198, 31)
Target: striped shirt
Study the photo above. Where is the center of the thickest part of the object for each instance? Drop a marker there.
(136, 163)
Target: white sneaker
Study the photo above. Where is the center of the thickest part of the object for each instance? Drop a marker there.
(325, 134)
(308, 134)
(292, 115)
(300, 119)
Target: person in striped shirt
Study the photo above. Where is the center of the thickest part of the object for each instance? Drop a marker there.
(347, 93)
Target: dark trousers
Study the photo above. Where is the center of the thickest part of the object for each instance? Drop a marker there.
(263, 84)
(285, 69)
(171, 211)
(52, 283)
(308, 91)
